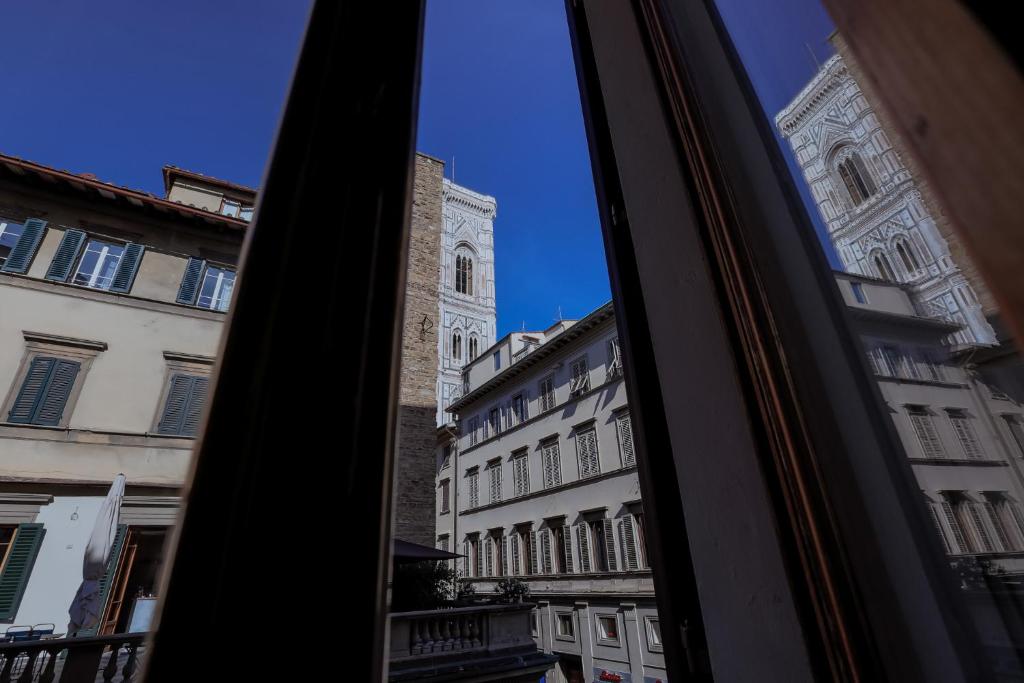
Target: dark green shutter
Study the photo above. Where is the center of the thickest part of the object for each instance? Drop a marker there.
(18, 567)
(32, 389)
(196, 403)
(190, 281)
(24, 249)
(58, 390)
(108, 576)
(126, 268)
(65, 256)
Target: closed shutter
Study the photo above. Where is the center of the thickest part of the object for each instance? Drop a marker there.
(44, 392)
(629, 542)
(127, 267)
(626, 441)
(552, 465)
(965, 434)
(516, 569)
(108, 575)
(183, 408)
(65, 256)
(504, 555)
(25, 248)
(533, 553)
(924, 428)
(18, 567)
(196, 403)
(583, 540)
(938, 527)
(997, 525)
(586, 448)
(467, 561)
(955, 528)
(190, 281)
(545, 551)
(980, 528)
(609, 543)
(567, 544)
(489, 557)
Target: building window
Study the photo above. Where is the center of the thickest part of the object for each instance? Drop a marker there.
(519, 409)
(653, 634)
(474, 430)
(19, 546)
(932, 365)
(442, 543)
(98, 264)
(1007, 519)
(968, 523)
(493, 556)
(614, 359)
(497, 360)
(474, 347)
(855, 179)
(494, 480)
(964, 430)
(608, 628)
(246, 213)
(493, 422)
(586, 452)
(464, 275)
(473, 562)
(457, 346)
(883, 268)
(521, 472)
(9, 234)
(473, 484)
(580, 382)
(562, 550)
(625, 430)
(603, 545)
(45, 391)
(552, 462)
(523, 549)
(183, 405)
(215, 293)
(924, 428)
(445, 496)
(1016, 426)
(547, 393)
(564, 627)
(446, 456)
(906, 255)
(230, 208)
(858, 292)
(631, 537)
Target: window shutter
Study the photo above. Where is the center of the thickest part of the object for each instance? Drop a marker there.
(467, 560)
(938, 527)
(108, 575)
(586, 446)
(954, 526)
(533, 553)
(609, 542)
(18, 567)
(626, 441)
(515, 554)
(64, 258)
(629, 542)
(981, 530)
(504, 555)
(196, 403)
(545, 550)
(176, 405)
(127, 267)
(567, 545)
(32, 389)
(997, 526)
(583, 540)
(25, 248)
(58, 391)
(190, 281)
(488, 558)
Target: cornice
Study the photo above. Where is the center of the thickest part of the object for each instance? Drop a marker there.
(832, 75)
(484, 205)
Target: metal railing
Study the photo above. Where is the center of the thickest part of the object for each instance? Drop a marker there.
(73, 660)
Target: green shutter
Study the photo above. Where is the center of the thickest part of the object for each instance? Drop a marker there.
(58, 391)
(32, 389)
(190, 281)
(25, 248)
(126, 268)
(108, 576)
(196, 403)
(65, 256)
(183, 408)
(18, 567)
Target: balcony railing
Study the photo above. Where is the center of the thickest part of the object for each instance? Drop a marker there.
(524, 352)
(466, 643)
(73, 660)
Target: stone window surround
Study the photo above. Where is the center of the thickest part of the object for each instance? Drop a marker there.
(586, 482)
(649, 622)
(179, 363)
(22, 508)
(617, 641)
(559, 614)
(84, 351)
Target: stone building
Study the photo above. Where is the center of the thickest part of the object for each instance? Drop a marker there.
(112, 304)
(465, 288)
(542, 485)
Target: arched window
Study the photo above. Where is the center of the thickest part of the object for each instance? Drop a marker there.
(457, 346)
(907, 256)
(473, 349)
(464, 275)
(884, 268)
(855, 178)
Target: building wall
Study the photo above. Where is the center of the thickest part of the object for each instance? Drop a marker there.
(413, 501)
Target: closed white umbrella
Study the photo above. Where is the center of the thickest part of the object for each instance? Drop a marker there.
(86, 608)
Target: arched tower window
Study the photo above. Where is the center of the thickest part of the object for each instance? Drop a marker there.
(907, 256)
(457, 345)
(473, 347)
(855, 178)
(884, 268)
(464, 274)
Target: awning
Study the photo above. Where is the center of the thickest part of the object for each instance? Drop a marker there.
(404, 552)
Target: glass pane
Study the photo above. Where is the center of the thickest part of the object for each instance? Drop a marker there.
(933, 340)
(98, 264)
(9, 234)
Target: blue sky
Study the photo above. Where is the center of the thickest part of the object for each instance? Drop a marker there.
(123, 87)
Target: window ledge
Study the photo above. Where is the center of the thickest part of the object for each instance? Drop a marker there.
(552, 490)
(958, 462)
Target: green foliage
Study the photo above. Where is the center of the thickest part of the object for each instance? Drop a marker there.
(512, 590)
(422, 586)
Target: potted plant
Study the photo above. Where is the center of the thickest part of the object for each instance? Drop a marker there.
(511, 591)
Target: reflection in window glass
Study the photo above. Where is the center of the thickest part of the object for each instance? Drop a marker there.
(98, 264)
(9, 234)
(217, 286)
